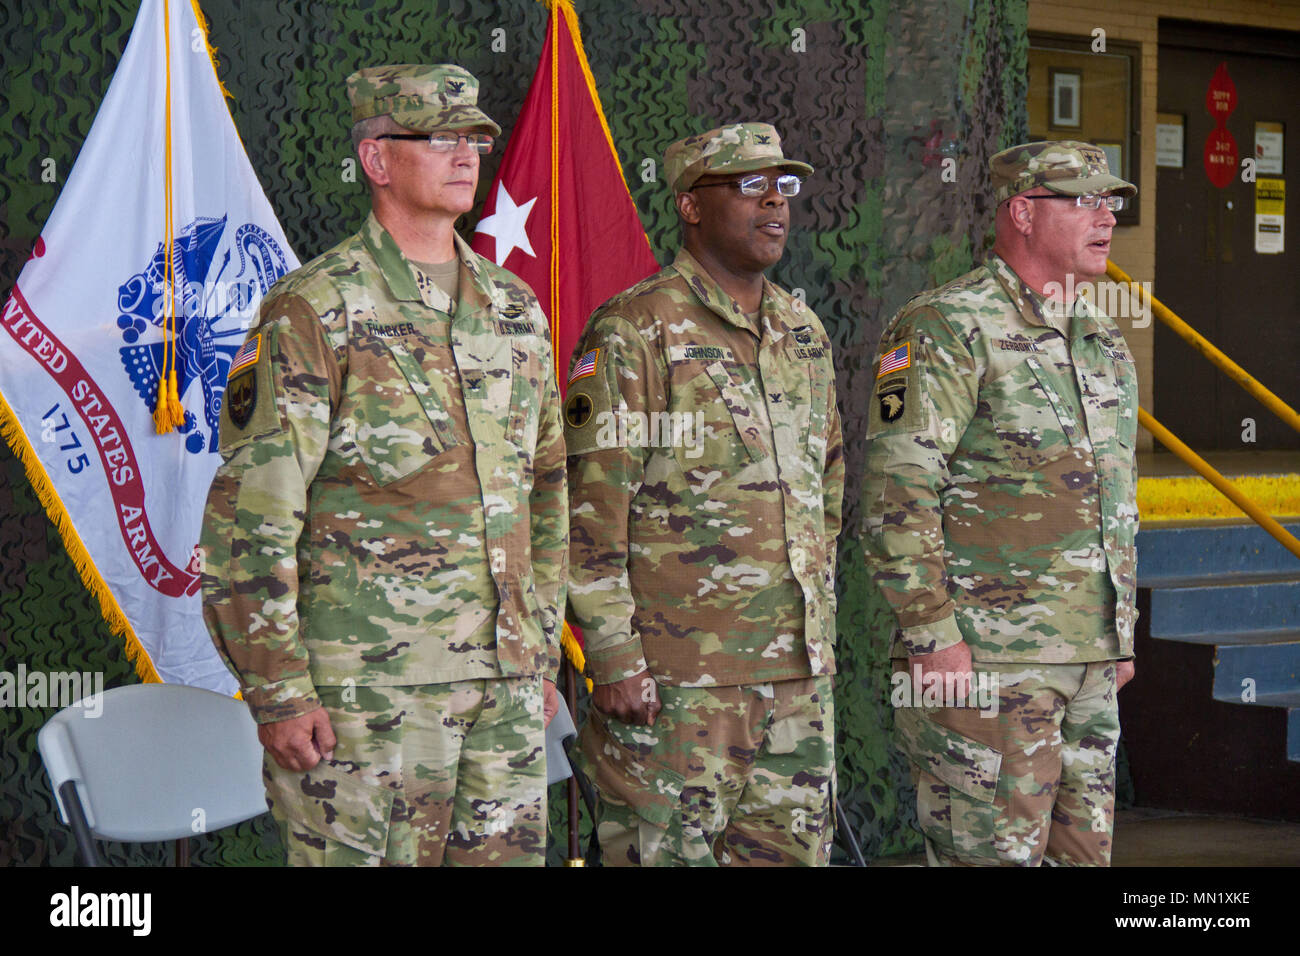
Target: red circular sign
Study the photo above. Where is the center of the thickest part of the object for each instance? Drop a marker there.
(1220, 147)
(1221, 97)
(1220, 157)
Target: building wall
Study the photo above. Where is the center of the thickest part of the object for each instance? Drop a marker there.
(1133, 248)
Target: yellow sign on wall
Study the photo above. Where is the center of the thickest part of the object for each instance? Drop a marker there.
(1270, 215)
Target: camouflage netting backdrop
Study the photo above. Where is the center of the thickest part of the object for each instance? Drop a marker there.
(898, 105)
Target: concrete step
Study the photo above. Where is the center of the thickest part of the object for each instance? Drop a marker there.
(1263, 670)
(1192, 743)
(1220, 618)
(1226, 608)
(1181, 554)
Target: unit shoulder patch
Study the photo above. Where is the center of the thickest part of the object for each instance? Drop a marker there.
(898, 399)
(588, 403)
(248, 408)
(895, 360)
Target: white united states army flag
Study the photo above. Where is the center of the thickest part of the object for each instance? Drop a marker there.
(90, 329)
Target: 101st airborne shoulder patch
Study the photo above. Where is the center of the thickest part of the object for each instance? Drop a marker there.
(897, 404)
(588, 404)
(248, 408)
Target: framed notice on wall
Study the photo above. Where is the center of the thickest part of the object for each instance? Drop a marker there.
(1114, 157)
(1169, 140)
(1270, 216)
(1067, 86)
(1268, 148)
(1076, 92)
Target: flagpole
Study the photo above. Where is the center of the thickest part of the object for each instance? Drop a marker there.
(570, 674)
(588, 271)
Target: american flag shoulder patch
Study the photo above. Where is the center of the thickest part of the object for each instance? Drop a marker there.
(897, 360)
(246, 356)
(586, 366)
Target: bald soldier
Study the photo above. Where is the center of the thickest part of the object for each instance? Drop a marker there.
(999, 502)
(387, 536)
(706, 476)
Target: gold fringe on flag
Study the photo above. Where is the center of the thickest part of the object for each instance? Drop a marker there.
(573, 651)
(207, 42)
(12, 431)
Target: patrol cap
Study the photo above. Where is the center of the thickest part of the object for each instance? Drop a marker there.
(1066, 166)
(738, 148)
(419, 98)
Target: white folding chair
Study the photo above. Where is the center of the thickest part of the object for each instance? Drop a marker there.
(153, 762)
(558, 735)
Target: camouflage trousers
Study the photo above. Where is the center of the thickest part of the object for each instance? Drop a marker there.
(726, 776)
(434, 775)
(1035, 784)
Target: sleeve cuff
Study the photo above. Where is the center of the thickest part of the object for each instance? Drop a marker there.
(618, 663)
(282, 699)
(928, 638)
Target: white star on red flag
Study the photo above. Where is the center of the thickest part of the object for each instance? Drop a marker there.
(508, 225)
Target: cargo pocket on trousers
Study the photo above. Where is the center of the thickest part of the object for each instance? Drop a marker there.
(334, 803)
(957, 781)
(625, 776)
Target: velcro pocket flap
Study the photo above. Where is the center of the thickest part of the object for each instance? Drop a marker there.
(611, 757)
(963, 764)
(335, 803)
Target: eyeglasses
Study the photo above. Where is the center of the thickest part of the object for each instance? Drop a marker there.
(752, 186)
(1113, 203)
(445, 142)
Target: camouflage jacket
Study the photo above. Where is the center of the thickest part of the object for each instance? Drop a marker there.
(999, 496)
(706, 475)
(391, 509)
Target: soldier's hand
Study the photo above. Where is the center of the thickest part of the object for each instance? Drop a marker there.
(299, 743)
(633, 700)
(953, 661)
(550, 701)
(1124, 673)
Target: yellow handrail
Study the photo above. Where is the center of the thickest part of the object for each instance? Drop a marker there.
(1238, 497)
(1238, 375)
(1203, 345)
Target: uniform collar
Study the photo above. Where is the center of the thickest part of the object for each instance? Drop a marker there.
(1079, 321)
(403, 278)
(1033, 308)
(717, 301)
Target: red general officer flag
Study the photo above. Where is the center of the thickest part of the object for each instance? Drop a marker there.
(559, 215)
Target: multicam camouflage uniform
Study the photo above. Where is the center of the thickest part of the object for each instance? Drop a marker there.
(387, 536)
(708, 559)
(999, 508)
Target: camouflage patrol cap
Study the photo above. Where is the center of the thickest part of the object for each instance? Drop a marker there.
(738, 148)
(1066, 166)
(419, 98)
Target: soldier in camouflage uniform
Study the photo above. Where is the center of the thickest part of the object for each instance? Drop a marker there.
(386, 539)
(706, 477)
(999, 503)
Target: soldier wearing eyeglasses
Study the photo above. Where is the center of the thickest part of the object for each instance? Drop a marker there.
(386, 539)
(1000, 516)
(706, 475)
